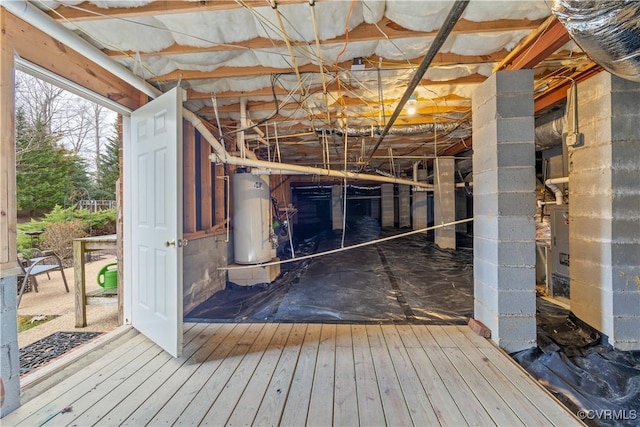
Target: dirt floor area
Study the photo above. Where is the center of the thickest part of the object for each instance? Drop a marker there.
(53, 300)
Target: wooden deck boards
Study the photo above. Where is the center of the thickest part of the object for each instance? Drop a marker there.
(301, 374)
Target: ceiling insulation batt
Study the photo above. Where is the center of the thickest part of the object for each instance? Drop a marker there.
(608, 31)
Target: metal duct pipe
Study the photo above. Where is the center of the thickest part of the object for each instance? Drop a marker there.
(396, 130)
(452, 18)
(548, 130)
(606, 30)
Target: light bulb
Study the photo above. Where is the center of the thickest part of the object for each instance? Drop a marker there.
(411, 110)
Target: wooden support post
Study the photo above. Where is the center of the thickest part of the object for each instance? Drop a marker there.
(220, 198)
(206, 207)
(189, 180)
(79, 285)
(8, 208)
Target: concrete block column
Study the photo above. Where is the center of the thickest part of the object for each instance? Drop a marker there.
(386, 192)
(336, 206)
(9, 354)
(604, 203)
(444, 199)
(419, 204)
(404, 206)
(504, 208)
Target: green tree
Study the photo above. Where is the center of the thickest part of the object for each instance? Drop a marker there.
(109, 169)
(45, 172)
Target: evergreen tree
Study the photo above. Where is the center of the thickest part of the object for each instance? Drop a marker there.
(45, 172)
(109, 169)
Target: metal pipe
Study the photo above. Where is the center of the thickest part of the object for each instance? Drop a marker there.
(452, 18)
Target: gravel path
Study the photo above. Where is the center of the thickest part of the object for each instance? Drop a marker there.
(53, 300)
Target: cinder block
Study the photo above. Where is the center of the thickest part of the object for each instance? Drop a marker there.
(512, 227)
(626, 328)
(505, 204)
(519, 129)
(507, 154)
(517, 303)
(516, 278)
(8, 295)
(516, 328)
(514, 104)
(626, 302)
(514, 345)
(520, 81)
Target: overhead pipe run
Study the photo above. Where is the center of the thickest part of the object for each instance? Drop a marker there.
(42, 21)
(452, 18)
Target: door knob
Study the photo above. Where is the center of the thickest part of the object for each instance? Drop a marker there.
(170, 243)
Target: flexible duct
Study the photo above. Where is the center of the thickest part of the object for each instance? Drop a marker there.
(549, 128)
(608, 31)
(396, 130)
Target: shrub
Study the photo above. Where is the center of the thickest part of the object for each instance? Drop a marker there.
(94, 224)
(59, 236)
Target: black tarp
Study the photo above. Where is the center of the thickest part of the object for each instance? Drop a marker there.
(598, 383)
(404, 280)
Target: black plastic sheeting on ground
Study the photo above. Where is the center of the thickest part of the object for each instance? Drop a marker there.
(55, 345)
(599, 384)
(407, 280)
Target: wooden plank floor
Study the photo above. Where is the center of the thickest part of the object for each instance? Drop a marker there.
(300, 374)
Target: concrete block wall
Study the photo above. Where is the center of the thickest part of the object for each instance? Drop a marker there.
(504, 208)
(201, 259)
(9, 354)
(419, 204)
(387, 206)
(444, 199)
(336, 206)
(404, 206)
(604, 209)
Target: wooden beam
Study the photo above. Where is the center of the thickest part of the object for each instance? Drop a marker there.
(472, 79)
(548, 38)
(363, 32)
(35, 46)
(206, 206)
(224, 71)
(558, 93)
(87, 11)
(8, 203)
(189, 180)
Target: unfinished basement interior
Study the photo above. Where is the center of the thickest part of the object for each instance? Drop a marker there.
(357, 212)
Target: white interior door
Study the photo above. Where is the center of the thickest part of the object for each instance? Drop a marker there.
(156, 220)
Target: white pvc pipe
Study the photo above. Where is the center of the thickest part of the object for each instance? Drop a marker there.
(552, 184)
(37, 18)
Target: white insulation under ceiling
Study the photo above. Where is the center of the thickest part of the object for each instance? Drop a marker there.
(293, 62)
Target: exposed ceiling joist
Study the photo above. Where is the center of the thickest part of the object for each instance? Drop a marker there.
(87, 11)
(548, 38)
(38, 48)
(441, 59)
(386, 29)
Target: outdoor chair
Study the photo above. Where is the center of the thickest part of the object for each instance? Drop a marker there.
(39, 265)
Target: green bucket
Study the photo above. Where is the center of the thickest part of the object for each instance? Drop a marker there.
(108, 277)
